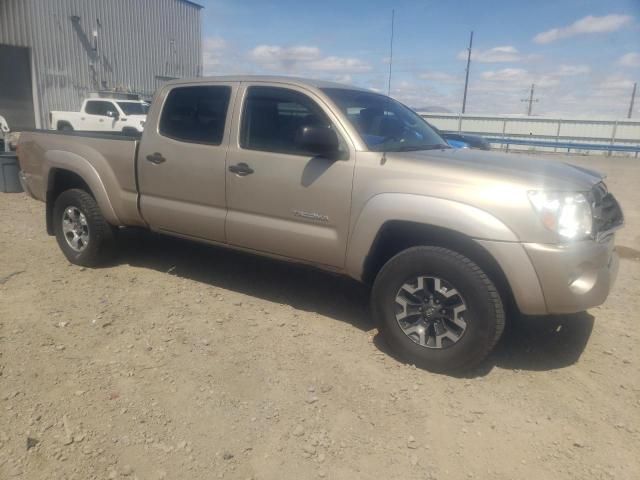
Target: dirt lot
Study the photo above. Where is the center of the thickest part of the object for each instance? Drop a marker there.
(182, 361)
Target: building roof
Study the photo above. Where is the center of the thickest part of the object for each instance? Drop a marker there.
(197, 5)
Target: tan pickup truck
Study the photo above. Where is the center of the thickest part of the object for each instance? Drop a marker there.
(349, 181)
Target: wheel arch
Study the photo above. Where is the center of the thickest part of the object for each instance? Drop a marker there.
(392, 222)
(67, 170)
(397, 235)
(63, 123)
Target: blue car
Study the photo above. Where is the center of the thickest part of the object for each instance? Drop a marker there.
(464, 140)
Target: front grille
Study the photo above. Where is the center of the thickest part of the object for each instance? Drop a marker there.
(607, 214)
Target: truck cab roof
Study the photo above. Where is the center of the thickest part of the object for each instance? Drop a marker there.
(297, 81)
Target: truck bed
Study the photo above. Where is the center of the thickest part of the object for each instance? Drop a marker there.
(89, 134)
(106, 161)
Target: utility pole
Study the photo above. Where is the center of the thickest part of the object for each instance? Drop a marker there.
(633, 99)
(393, 14)
(466, 80)
(530, 100)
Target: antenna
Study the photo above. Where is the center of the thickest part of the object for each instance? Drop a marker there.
(383, 160)
(393, 14)
(466, 80)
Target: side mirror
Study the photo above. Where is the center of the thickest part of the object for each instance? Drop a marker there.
(318, 140)
(112, 114)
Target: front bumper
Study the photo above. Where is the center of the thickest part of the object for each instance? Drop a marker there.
(575, 276)
(547, 279)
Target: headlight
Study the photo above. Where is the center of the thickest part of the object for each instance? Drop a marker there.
(568, 214)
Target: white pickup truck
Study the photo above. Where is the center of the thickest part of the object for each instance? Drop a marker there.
(4, 132)
(4, 126)
(103, 115)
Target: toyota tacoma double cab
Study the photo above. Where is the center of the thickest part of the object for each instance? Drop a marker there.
(349, 181)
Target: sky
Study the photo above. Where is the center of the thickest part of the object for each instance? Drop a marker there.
(582, 55)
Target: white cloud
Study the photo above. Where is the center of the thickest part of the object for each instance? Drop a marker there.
(303, 58)
(571, 70)
(273, 55)
(616, 82)
(586, 25)
(506, 53)
(631, 59)
(513, 81)
(339, 64)
(343, 79)
(563, 89)
(506, 75)
(213, 49)
(520, 76)
(440, 77)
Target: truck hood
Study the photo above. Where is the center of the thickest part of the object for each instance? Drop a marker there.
(479, 167)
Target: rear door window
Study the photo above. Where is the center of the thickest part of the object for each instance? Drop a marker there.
(97, 107)
(196, 114)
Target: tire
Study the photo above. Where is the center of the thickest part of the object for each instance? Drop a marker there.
(99, 235)
(65, 127)
(474, 310)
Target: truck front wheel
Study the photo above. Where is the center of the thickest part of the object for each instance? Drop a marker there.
(437, 309)
(83, 234)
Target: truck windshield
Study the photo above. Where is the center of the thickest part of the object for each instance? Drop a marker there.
(134, 108)
(385, 124)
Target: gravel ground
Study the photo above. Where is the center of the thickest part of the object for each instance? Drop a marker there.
(185, 361)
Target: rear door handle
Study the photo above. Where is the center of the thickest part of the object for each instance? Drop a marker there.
(241, 169)
(156, 158)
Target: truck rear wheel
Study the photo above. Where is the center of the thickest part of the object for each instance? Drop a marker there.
(83, 234)
(437, 309)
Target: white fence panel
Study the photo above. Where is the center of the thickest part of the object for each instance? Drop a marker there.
(563, 130)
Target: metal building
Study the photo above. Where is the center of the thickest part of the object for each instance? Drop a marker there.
(54, 52)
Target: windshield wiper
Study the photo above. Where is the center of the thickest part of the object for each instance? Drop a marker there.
(414, 148)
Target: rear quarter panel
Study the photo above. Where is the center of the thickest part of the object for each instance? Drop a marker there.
(107, 165)
(73, 118)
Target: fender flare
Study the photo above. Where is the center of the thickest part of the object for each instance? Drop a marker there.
(58, 159)
(382, 208)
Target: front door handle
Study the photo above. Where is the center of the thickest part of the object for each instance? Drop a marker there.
(241, 169)
(156, 158)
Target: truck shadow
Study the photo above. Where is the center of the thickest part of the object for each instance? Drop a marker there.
(529, 343)
(543, 342)
(299, 286)
(533, 344)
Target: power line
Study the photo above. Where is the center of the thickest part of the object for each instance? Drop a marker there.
(466, 80)
(530, 100)
(633, 99)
